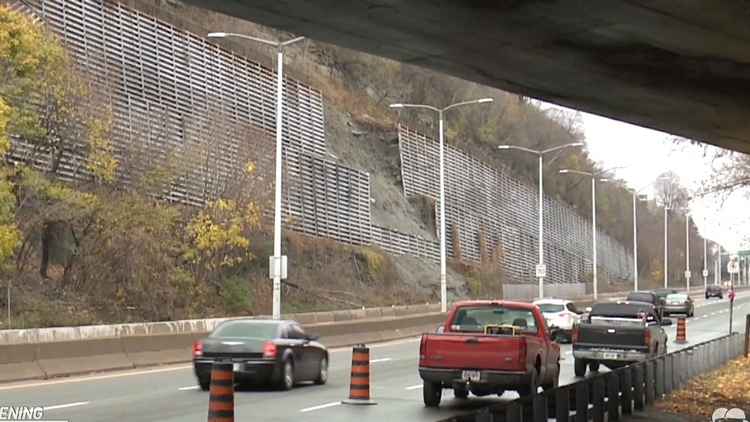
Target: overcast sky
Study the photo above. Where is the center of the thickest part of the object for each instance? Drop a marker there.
(646, 153)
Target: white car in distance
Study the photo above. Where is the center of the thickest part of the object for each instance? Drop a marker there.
(561, 315)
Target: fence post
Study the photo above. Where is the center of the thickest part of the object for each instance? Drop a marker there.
(668, 361)
(650, 383)
(514, 411)
(597, 399)
(747, 334)
(679, 369)
(613, 396)
(582, 401)
(659, 379)
(539, 408)
(562, 404)
(691, 362)
(638, 389)
(626, 389)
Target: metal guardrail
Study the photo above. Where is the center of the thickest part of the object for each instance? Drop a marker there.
(609, 395)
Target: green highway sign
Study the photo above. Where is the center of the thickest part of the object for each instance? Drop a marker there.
(743, 254)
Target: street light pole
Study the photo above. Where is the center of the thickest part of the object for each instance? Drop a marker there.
(687, 253)
(443, 258)
(666, 257)
(277, 261)
(635, 241)
(541, 270)
(705, 260)
(594, 177)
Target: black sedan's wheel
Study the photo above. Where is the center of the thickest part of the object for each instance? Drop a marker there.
(322, 371)
(287, 375)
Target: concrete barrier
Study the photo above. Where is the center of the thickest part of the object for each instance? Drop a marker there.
(18, 363)
(74, 357)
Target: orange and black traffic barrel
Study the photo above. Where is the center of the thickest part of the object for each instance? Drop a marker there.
(359, 386)
(681, 331)
(221, 394)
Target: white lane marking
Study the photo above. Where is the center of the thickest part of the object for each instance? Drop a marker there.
(65, 406)
(414, 387)
(380, 360)
(321, 406)
(192, 387)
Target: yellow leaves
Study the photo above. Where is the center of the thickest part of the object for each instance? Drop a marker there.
(219, 233)
(725, 386)
(4, 118)
(249, 167)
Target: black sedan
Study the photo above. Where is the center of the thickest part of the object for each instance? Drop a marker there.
(263, 351)
(714, 291)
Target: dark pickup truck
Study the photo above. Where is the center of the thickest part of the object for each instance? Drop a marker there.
(616, 334)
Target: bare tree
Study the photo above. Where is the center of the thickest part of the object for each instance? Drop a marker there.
(670, 192)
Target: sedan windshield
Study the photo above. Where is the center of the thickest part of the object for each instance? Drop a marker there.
(476, 318)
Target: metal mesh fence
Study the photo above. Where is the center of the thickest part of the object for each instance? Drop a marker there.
(481, 199)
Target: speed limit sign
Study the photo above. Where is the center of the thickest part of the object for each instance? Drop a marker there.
(541, 270)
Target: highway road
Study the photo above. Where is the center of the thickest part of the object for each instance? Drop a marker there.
(170, 394)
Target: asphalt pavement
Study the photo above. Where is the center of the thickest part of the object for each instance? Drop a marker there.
(170, 393)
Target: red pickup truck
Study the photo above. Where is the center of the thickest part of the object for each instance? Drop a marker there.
(487, 347)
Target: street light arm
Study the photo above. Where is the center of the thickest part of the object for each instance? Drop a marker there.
(416, 106)
(463, 103)
(574, 144)
(583, 173)
(278, 44)
(532, 151)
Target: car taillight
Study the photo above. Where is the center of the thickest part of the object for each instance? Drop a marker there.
(574, 337)
(269, 349)
(423, 347)
(687, 303)
(647, 338)
(664, 302)
(198, 349)
(522, 350)
(563, 314)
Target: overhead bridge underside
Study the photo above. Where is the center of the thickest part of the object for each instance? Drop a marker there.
(676, 66)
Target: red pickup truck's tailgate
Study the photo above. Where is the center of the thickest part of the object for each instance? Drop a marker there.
(467, 351)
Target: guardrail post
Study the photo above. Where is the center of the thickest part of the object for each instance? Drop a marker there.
(650, 383)
(679, 368)
(514, 411)
(562, 404)
(747, 335)
(667, 374)
(725, 352)
(659, 379)
(582, 401)
(613, 396)
(638, 389)
(598, 385)
(691, 363)
(539, 408)
(626, 389)
(707, 357)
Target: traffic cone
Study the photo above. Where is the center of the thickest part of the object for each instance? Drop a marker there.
(681, 331)
(221, 394)
(359, 387)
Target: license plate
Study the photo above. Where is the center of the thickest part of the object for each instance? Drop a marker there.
(675, 303)
(610, 356)
(471, 375)
(237, 367)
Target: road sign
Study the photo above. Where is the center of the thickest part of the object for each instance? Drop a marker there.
(688, 274)
(541, 270)
(733, 267)
(705, 273)
(743, 254)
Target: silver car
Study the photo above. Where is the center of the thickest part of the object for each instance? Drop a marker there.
(679, 303)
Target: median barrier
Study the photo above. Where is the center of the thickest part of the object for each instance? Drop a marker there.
(159, 349)
(74, 357)
(608, 396)
(18, 363)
